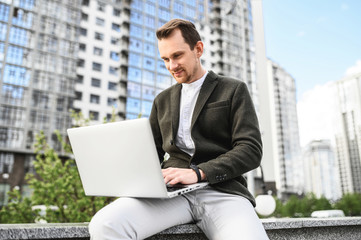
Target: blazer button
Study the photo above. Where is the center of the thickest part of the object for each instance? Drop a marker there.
(171, 142)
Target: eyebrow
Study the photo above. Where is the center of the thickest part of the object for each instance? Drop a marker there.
(173, 54)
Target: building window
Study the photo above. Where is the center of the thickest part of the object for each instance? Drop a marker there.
(112, 102)
(99, 21)
(114, 56)
(85, 2)
(164, 14)
(78, 96)
(116, 12)
(149, 36)
(146, 108)
(101, 6)
(116, 27)
(134, 74)
(97, 51)
(133, 90)
(79, 79)
(82, 47)
(94, 98)
(113, 71)
(137, 4)
(136, 17)
(80, 63)
(133, 105)
(148, 93)
(161, 68)
(136, 31)
(164, 3)
(149, 21)
(150, 9)
(95, 82)
(148, 63)
(163, 81)
(99, 36)
(178, 7)
(135, 60)
(83, 31)
(94, 115)
(114, 40)
(84, 16)
(97, 67)
(135, 45)
(112, 86)
(149, 49)
(148, 78)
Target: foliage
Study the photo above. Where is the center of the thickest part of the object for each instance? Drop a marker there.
(303, 207)
(56, 185)
(350, 204)
(18, 210)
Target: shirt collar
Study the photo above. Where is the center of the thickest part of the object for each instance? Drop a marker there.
(196, 84)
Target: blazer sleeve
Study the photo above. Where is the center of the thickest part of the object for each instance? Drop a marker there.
(246, 152)
(153, 119)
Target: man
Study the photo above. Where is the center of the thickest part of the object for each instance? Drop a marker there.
(208, 126)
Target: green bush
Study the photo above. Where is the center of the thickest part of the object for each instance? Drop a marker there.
(56, 183)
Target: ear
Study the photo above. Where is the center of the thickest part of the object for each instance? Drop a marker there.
(199, 49)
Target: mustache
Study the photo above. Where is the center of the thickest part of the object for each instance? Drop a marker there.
(177, 70)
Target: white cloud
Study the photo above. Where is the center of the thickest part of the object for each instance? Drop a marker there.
(315, 111)
(354, 69)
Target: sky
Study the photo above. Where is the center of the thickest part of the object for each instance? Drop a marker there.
(317, 42)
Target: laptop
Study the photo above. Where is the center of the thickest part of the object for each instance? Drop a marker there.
(120, 160)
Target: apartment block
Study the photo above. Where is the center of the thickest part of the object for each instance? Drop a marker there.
(348, 132)
(287, 162)
(321, 175)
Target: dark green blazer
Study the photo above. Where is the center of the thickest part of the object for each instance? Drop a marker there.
(224, 129)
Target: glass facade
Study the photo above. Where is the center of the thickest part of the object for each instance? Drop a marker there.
(146, 73)
(37, 70)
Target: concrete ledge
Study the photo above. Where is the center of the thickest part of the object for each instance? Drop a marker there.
(295, 228)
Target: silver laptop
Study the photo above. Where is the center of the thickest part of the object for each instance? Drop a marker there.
(120, 159)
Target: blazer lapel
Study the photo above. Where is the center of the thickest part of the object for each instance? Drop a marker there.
(175, 108)
(207, 88)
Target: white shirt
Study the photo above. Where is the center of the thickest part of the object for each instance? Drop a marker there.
(189, 95)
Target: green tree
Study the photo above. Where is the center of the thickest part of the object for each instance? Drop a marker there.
(302, 207)
(350, 204)
(55, 184)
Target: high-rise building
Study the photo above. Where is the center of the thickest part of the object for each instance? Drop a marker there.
(321, 177)
(119, 65)
(348, 132)
(288, 165)
(38, 54)
(100, 56)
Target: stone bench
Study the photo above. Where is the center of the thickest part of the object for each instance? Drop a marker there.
(285, 228)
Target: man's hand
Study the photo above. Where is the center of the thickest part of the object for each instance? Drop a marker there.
(181, 175)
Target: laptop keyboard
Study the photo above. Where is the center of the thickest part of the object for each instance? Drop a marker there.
(175, 188)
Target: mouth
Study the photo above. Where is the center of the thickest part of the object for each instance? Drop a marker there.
(177, 73)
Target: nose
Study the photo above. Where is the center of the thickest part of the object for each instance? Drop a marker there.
(173, 65)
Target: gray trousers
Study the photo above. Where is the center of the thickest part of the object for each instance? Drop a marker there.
(221, 216)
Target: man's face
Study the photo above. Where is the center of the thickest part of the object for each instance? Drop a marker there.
(182, 62)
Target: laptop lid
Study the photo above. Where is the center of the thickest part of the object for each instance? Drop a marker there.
(118, 159)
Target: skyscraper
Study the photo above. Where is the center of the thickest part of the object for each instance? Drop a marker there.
(38, 53)
(321, 176)
(288, 165)
(348, 132)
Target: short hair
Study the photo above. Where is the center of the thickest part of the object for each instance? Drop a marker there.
(187, 28)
